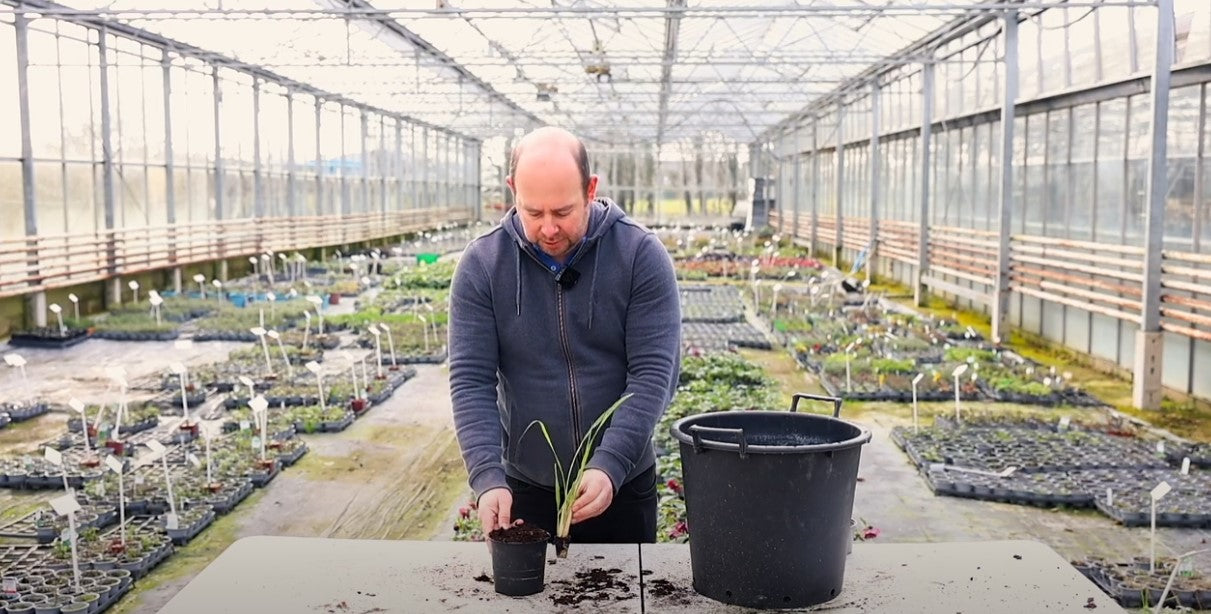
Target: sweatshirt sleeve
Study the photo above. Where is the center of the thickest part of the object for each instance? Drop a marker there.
(653, 342)
(474, 359)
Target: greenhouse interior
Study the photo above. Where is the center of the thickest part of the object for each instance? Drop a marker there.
(894, 292)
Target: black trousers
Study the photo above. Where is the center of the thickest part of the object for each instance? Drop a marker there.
(630, 519)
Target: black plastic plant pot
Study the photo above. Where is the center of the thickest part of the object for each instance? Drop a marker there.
(518, 567)
(769, 497)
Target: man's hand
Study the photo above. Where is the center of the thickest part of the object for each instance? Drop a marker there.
(496, 509)
(596, 494)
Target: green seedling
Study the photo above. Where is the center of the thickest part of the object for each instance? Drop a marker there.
(567, 481)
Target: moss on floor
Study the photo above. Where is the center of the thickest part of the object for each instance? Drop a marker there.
(779, 365)
(27, 437)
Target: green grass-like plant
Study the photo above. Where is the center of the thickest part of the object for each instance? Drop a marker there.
(567, 481)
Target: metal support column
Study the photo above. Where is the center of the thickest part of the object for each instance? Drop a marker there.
(418, 170)
(477, 181)
(927, 101)
(1147, 383)
(319, 159)
(258, 196)
(381, 167)
(1000, 291)
(28, 191)
(797, 186)
(344, 167)
(840, 184)
(447, 164)
(170, 195)
(364, 121)
(218, 148)
(815, 234)
(399, 165)
(872, 249)
(108, 196)
(424, 164)
(291, 188)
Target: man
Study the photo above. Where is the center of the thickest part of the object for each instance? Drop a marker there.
(555, 314)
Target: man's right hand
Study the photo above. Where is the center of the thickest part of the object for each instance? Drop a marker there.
(495, 509)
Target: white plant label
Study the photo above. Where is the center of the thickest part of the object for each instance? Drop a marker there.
(1160, 447)
(68, 535)
(54, 457)
(171, 522)
(1161, 490)
(1064, 421)
(114, 464)
(1110, 496)
(138, 480)
(313, 367)
(1186, 466)
(65, 505)
(245, 425)
(10, 584)
(193, 460)
(156, 446)
(256, 442)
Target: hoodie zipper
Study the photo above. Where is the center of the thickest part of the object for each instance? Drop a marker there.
(567, 350)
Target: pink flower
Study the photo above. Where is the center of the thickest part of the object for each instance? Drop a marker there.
(464, 512)
(674, 486)
(870, 533)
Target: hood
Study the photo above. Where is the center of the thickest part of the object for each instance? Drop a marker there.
(602, 216)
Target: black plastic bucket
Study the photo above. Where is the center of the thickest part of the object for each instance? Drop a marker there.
(769, 497)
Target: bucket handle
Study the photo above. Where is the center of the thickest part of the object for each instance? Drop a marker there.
(836, 401)
(697, 430)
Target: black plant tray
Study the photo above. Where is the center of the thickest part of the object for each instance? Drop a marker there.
(436, 358)
(291, 458)
(261, 479)
(222, 505)
(119, 335)
(223, 335)
(53, 340)
(184, 535)
(23, 413)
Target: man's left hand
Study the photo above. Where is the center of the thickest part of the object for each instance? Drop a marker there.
(596, 494)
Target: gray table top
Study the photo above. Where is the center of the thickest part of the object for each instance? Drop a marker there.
(341, 576)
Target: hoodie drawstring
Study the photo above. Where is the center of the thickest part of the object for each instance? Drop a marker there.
(593, 290)
(517, 299)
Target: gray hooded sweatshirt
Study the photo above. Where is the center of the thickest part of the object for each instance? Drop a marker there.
(525, 347)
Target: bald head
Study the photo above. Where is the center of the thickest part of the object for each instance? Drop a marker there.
(552, 148)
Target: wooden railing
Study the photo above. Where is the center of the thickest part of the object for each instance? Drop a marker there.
(1097, 277)
(52, 261)
(1100, 278)
(1186, 294)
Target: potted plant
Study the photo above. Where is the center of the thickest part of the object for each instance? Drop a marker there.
(567, 482)
(518, 559)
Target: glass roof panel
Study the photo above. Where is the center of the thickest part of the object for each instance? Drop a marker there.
(630, 70)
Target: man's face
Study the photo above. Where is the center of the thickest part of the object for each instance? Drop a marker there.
(553, 209)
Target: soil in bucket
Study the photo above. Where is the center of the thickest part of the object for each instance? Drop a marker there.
(518, 559)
